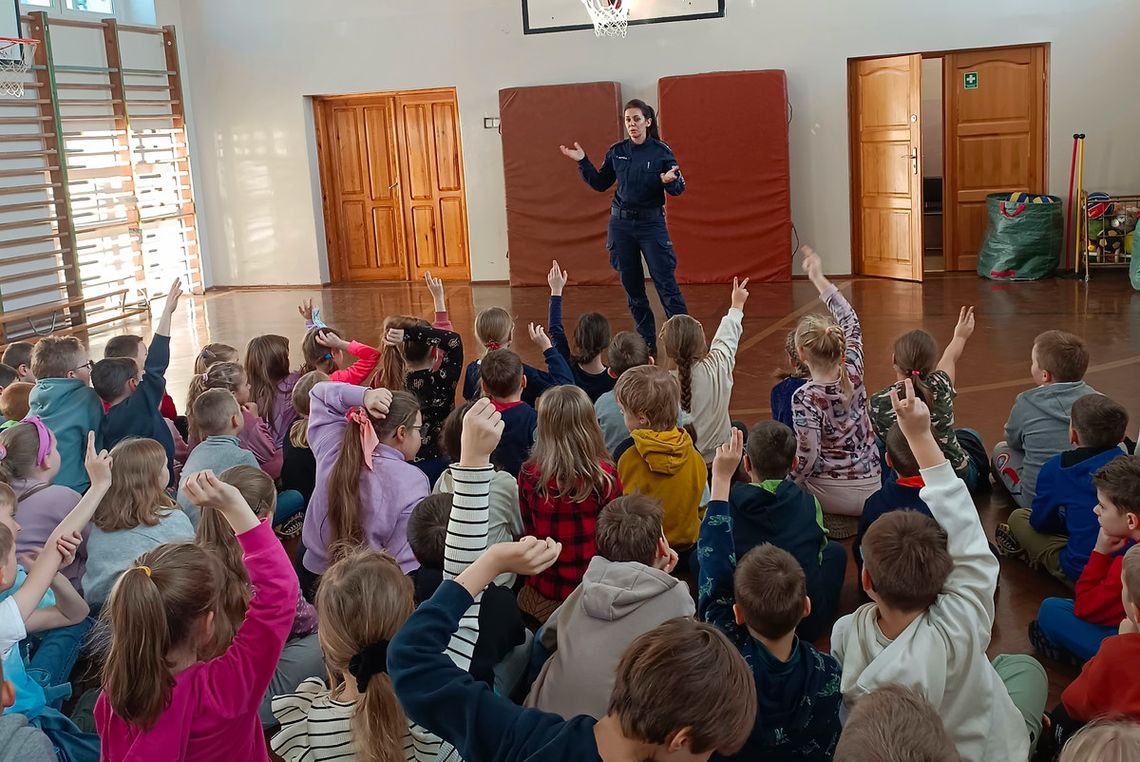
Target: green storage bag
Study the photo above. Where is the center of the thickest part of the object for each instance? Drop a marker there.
(1134, 270)
(1023, 241)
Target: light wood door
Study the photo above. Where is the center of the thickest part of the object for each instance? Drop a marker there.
(995, 138)
(435, 209)
(886, 166)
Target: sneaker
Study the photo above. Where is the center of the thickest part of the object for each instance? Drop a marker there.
(1047, 648)
(1006, 544)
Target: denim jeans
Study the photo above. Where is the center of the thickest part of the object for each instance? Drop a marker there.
(52, 657)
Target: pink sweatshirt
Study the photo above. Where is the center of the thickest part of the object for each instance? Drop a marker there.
(213, 709)
(366, 360)
(256, 438)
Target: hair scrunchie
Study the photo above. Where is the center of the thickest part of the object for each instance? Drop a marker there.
(371, 660)
(368, 439)
(493, 345)
(916, 373)
(3, 452)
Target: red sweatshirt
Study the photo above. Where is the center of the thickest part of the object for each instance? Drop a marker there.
(1108, 684)
(1098, 591)
(366, 360)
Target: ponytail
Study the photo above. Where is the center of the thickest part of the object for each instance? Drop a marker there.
(395, 360)
(916, 353)
(155, 607)
(685, 376)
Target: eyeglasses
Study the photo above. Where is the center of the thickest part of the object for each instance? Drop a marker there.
(85, 366)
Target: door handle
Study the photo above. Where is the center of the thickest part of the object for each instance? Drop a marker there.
(914, 160)
(393, 185)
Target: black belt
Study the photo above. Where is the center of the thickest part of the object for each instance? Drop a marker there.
(647, 213)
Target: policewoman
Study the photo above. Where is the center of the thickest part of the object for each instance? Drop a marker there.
(645, 170)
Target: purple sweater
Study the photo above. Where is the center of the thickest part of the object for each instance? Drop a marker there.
(283, 412)
(388, 492)
(40, 513)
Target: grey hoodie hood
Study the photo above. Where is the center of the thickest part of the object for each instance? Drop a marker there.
(613, 590)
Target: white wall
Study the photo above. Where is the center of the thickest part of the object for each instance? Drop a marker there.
(932, 117)
(252, 62)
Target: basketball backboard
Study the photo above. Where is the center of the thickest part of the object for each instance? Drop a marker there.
(545, 16)
(10, 27)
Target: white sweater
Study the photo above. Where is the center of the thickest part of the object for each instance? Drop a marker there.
(942, 653)
(712, 386)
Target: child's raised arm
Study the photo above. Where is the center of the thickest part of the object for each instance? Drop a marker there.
(557, 279)
(953, 353)
(716, 549)
(840, 309)
(559, 370)
(439, 302)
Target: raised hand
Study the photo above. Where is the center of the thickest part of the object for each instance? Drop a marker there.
(576, 153)
(330, 340)
(306, 309)
(739, 293)
(539, 337)
(435, 287)
(912, 413)
(728, 457)
(98, 464)
(482, 430)
(394, 337)
(965, 328)
(206, 490)
(556, 279)
(670, 176)
(173, 296)
(813, 265)
(377, 402)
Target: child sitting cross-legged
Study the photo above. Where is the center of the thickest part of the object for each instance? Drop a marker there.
(130, 345)
(895, 723)
(161, 691)
(680, 691)
(218, 420)
(773, 509)
(503, 381)
(1059, 532)
(759, 602)
(562, 489)
(495, 329)
(627, 591)
(135, 392)
(254, 435)
(1068, 627)
(591, 337)
(932, 583)
(659, 458)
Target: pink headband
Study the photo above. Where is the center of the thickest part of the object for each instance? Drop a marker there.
(368, 439)
(45, 439)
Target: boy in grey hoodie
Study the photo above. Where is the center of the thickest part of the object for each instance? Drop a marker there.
(626, 592)
(1038, 426)
(64, 400)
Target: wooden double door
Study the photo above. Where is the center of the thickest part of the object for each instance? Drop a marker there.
(391, 169)
(994, 140)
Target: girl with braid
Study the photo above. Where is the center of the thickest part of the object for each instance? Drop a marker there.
(705, 372)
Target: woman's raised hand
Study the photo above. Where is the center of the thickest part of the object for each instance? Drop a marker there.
(576, 153)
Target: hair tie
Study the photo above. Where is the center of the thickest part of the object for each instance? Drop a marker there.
(916, 373)
(205, 376)
(144, 569)
(45, 439)
(205, 353)
(368, 439)
(326, 357)
(3, 452)
(371, 660)
(493, 345)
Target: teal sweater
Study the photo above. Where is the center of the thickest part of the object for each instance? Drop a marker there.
(70, 409)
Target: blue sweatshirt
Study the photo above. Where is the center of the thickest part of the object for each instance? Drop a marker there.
(537, 381)
(138, 415)
(70, 409)
(447, 701)
(520, 421)
(595, 385)
(1065, 500)
(892, 496)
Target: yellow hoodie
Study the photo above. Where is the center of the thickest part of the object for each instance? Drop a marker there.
(665, 465)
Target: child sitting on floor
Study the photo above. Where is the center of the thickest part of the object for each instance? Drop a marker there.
(791, 378)
(837, 459)
(503, 381)
(159, 694)
(64, 400)
(298, 466)
(1067, 627)
(324, 350)
(218, 419)
(129, 345)
(659, 459)
(495, 329)
(134, 392)
(759, 605)
(562, 489)
(1059, 532)
(705, 372)
(591, 337)
(271, 384)
(18, 356)
(915, 354)
(895, 723)
(627, 591)
(931, 583)
(1038, 425)
(255, 434)
(772, 509)
(14, 403)
(214, 353)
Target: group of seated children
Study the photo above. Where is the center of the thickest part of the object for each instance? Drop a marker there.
(587, 561)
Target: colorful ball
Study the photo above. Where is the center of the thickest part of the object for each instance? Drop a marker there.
(1099, 205)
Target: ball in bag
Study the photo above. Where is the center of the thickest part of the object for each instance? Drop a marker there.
(1099, 205)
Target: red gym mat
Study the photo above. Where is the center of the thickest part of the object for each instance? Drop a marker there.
(729, 131)
(551, 212)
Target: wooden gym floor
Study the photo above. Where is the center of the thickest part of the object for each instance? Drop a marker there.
(993, 371)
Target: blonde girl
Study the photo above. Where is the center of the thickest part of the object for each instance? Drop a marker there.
(837, 459)
(562, 489)
(705, 372)
(363, 440)
(495, 329)
(301, 657)
(357, 714)
(254, 435)
(271, 383)
(135, 516)
(162, 695)
(212, 353)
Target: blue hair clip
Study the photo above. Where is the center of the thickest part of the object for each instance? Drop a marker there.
(317, 322)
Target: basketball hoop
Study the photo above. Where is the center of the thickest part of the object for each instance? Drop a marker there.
(610, 17)
(16, 57)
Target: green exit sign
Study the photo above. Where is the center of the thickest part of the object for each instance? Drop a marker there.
(970, 80)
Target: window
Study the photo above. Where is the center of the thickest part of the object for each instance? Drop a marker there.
(94, 6)
(37, 3)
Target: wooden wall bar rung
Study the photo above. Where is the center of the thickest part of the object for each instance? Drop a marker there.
(17, 277)
(38, 257)
(29, 137)
(26, 172)
(15, 190)
(17, 224)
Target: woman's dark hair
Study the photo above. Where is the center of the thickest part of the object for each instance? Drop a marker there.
(648, 112)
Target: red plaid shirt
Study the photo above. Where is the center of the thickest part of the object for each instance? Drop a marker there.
(572, 524)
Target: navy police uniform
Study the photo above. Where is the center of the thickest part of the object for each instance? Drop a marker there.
(637, 225)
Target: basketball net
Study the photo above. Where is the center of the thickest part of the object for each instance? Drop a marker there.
(610, 17)
(16, 57)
